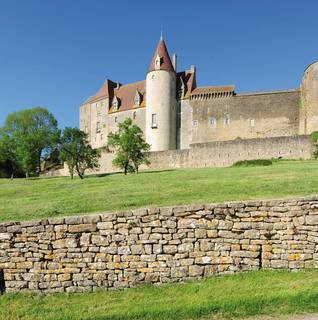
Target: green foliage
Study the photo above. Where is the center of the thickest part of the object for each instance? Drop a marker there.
(23, 199)
(130, 147)
(314, 140)
(76, 151)
(271, 293)
(253, 163)
(314, 137)
(27, 137)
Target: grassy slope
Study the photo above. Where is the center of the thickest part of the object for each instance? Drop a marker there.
(228, 297)
(27, 199)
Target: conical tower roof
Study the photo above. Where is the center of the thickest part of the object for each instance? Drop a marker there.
(164, 56)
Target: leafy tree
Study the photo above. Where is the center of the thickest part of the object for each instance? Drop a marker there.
(32, 135)
(129, 145)
(8, 160)
(76, 151)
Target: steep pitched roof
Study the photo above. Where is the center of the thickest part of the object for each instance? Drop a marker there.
(126, 95)
(189, 79)
(104, 91)
(162, 51)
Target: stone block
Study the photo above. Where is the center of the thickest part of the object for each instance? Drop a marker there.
(5, 236)
(170, 249)
(73, 220)
(78, 228)
(105, 225)
(195, 271)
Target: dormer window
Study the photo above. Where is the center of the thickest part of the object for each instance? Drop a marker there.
(157, 62)
(115, 103)
(137, 99)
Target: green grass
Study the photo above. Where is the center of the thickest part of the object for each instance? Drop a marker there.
(227, 297)
(23, 199)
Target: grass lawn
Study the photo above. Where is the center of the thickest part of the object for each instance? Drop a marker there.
(227, 297)
(23, 199)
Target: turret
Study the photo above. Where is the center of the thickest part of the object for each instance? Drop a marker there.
(308, 121)
(161, 104)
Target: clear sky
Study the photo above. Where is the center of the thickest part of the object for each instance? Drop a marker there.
(57, 53)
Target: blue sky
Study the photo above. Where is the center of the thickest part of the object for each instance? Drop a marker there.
(57, 53)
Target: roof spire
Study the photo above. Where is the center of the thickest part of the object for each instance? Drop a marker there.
(161, 52)
(161, 38)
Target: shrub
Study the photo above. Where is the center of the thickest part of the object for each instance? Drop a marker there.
(253, 163)
(314, 136)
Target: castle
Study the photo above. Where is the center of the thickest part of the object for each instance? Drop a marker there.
(175, 114)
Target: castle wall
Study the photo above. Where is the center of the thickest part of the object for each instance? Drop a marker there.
(246, 116)
(138, 115)
(216, 154)
(93, 120)
(185, 131)
(158, 245)
(225, 153)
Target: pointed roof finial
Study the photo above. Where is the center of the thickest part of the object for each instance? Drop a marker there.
(161, 33)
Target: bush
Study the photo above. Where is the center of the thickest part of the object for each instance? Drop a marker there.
(314, 136)
(253, 163)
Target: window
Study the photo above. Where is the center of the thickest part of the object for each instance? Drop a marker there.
(86, 129)
(157, 62)
(101, 137)
(98, 127)
(195, 123)
(252, 123)
(115, 103)
(227, 120)
(115, 119)
(154, 121)
(212, 122)
(134, 115)
(137, 99)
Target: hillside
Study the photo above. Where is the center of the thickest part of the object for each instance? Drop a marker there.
(23, 199)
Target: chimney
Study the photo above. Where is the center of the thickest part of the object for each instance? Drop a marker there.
(174, 62)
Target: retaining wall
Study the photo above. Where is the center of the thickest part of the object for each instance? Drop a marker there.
(214, 154)
(158, 245)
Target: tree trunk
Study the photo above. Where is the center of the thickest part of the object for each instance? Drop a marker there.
(12, 175)
(126, 169)
(27, 174)
(80, 174)
(39, 161)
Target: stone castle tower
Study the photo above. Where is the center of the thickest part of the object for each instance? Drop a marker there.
(161, 101)
(308, 117)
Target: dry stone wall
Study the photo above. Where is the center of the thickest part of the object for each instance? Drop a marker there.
(158, 245)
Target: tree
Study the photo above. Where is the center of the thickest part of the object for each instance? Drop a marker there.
(32, 135)
(129, 145)
(77, 153)
(8, 160)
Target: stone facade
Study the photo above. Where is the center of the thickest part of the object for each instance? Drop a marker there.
(175, 113)
(158, 245)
